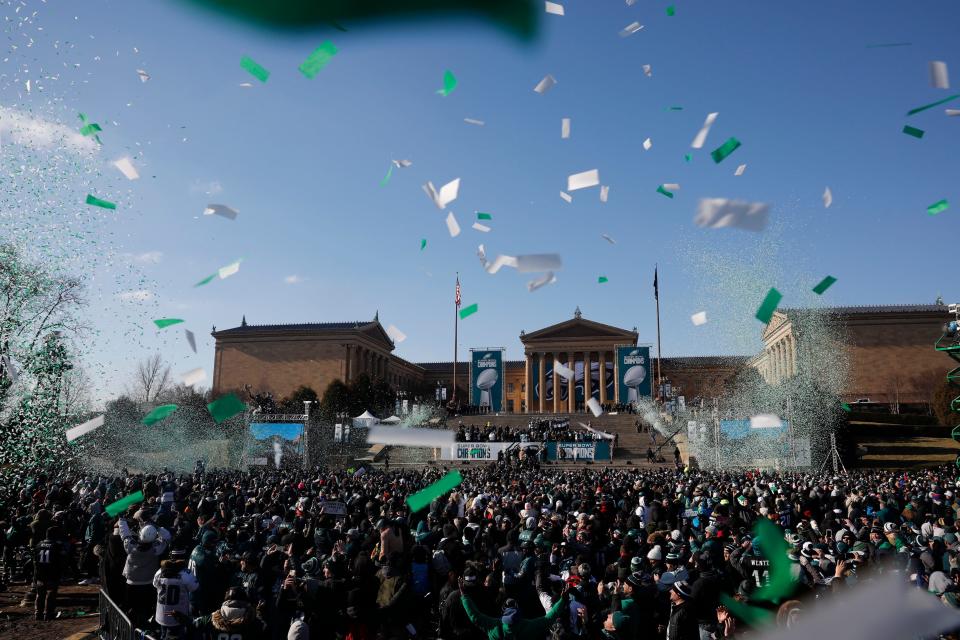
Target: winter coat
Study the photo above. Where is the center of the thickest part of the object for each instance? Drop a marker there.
(143, 560)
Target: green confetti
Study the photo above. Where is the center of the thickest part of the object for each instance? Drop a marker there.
(87, 129)
(602, 279)
(115, 508)
(225, 407)
(97, 202)
(386, 178)
(845, 407)
(484, 216)
(160, 413)
(254, 69)
(671, 10)
(449, 83)
(674, 109)
(938, 207)
(318, 59)
(913, 131)
(889, 44)
(724, 150)
(468, 311)
(772, 545)
(687, 157)
(769, 305)
(423, 244)
(661, 189)
(163, 323)
(932, 104)
(824, 285)
(424, 497)
(206, 280)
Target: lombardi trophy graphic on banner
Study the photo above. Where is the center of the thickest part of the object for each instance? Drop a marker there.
(486, 381)
(633, 378)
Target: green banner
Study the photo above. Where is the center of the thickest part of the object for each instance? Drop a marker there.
(486, 379)
(633, 373)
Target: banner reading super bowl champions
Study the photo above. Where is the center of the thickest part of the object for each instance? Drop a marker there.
(633, 373)
(486, 379)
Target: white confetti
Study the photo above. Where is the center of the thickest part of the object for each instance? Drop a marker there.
(144, 76)
(125, 166)
(554, 8)
(716, 213)
(604, 192)
(481, 227)
(740, 170)
(229, 270)
(583, 180)
(193, 376)
(939, 76)
(564, 128)
(395, 334)
(452, 225)
(547, 278)
(191, 339)
(88, 426)
(479, 123)
(648, 70)
(563, 371)
(704, 130)
(647, 144)
(545, 85)
(447, 194)
(594, 406)
(608, 238)
(566, 196)
(630, 29)
(221, 210)
(699, 318)
(827, 198)
(402, 164)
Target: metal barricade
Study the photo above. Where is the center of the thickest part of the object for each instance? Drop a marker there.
(114, 624)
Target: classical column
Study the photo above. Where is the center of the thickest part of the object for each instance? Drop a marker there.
(527, 379)
(587, 378)
(780, 362)
(572, 382)
(347, 363)
(542, 382)
(603, 377)
(556, 386)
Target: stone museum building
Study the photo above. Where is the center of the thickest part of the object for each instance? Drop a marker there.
(892, 359)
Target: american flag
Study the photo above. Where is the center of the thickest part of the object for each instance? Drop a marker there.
(458, 292)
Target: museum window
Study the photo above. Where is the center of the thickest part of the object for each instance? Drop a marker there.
(510, 406)
(509, 387)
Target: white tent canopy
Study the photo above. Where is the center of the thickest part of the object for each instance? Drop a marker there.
(391, 420)
(366, 419)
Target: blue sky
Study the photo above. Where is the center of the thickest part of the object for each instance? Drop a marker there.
(302, 161)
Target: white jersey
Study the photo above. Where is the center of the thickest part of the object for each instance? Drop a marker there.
(172, 596)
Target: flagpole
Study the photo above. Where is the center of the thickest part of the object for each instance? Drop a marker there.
(656, 295)
(456, 324)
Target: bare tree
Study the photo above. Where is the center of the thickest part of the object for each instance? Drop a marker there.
(35, 301)
(151, 380)
(76, 392)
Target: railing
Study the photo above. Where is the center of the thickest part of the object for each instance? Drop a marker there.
(114, 623)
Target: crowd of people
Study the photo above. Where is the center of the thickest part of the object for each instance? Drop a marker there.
(516, 551)
(537, 430)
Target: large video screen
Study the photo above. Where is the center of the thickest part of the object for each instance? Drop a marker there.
(272, 440)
